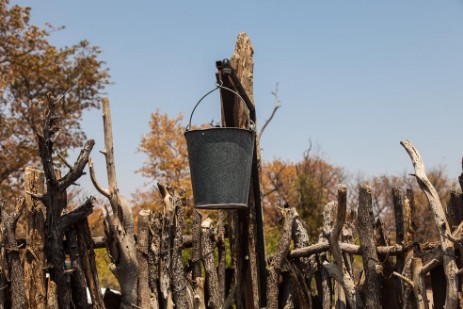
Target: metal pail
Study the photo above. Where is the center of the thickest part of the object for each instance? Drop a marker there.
(220, 166)
(220, 163)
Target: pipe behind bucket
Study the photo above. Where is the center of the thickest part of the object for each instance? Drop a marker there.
(220, 166)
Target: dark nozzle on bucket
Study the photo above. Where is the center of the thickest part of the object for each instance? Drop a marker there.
(220, 166)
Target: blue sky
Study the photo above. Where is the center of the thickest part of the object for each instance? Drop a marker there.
(355, 77)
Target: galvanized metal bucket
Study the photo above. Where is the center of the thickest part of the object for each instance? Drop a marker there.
(220, 164)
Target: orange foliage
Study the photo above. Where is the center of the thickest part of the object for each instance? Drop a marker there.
(30, 68)
(308, 185)
(167, 160)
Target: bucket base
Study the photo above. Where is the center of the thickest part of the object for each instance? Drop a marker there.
(221, 206)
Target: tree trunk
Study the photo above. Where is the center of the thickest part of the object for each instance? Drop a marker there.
(198, 281)
(8, 221)
(34, 258)
(120, 226)
(440, 221)
(419, 286)
(179, 285)
(212, 279)
(278, 258)
(221, 253)
(236, 115)
(78, 282)
(308, 265)
(371, 264)
(154, 258)
(389, 292)
(88, 263)
(143, 241)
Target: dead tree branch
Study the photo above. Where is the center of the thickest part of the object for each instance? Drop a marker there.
(371, 264)
(276, 106)
(124, 263)
(279, 257)
(338, 270)
(450, 266)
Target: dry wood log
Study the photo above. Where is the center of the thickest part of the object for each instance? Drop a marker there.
(409, 210)
(404, 235)
(347, 236)
(179, 285)
(455, 217)
(154, 258)
(345, 247)
(389, 293)
(143, 242)
(34, 257)
(196, 245)
(221, 253)
(278, 258)
(212, 279)
(290, 291)
(419, 286)
(167, 237)
(337, 269)
(326, 286)
(371, 264)
(300, 237)
(125, 264)
(198, 281)
(88, 263)
(16, 272)
(3, 266)
(199, 294)
(78, 281)
(237, 252)
(243, 63)
(441, 224)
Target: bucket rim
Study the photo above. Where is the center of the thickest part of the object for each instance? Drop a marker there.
(220, 128)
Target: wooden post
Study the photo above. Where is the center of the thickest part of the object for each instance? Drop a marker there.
(250, 263)
(34, 259)
(8, 224)
(78, 282)
(143, 241)
(88, 263)
(440, 221)
(404, 236)
(125, 267)
(371, 264)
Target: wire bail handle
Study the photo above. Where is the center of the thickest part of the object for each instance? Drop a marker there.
(251, 124)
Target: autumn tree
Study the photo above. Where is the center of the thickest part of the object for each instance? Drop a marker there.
(382, 202)
(167, 159)
(307, 185)
(30, 68)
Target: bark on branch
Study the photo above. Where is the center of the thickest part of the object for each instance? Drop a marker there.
(338, 270)
(450, 266)
(371, 264)
(121, 231)
(279, 257)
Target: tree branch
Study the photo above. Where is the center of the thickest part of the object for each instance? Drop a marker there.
(450, 266)
(275, 108)
(96, 184)
(77, 214)
(78, 168)
(405, 279)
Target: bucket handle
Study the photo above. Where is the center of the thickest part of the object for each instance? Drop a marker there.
(218, 86)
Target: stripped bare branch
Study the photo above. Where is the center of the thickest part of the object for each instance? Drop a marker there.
(96, 184)
(405, 279)
(275, 108)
